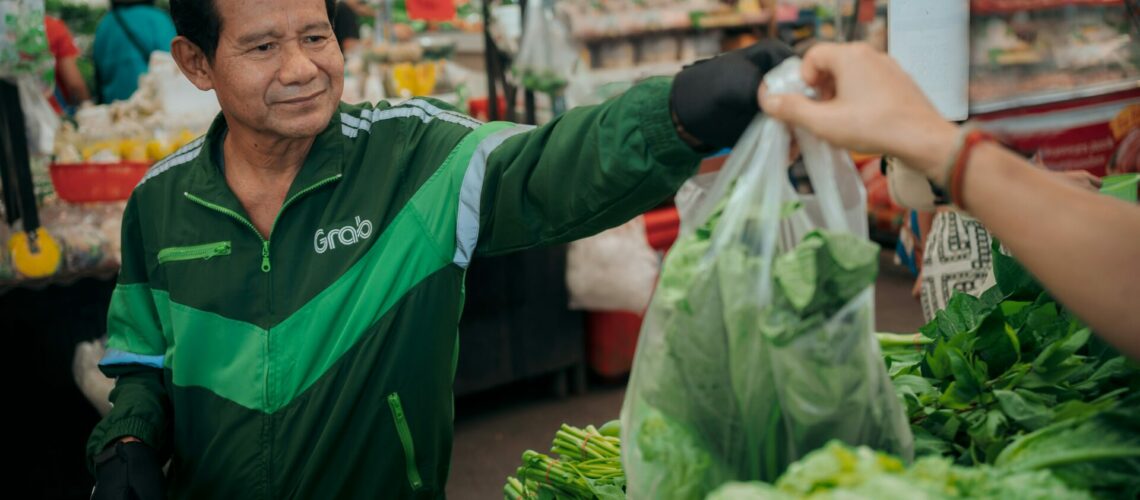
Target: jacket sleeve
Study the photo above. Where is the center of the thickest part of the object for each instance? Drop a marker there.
(135, 354)
(587, 170)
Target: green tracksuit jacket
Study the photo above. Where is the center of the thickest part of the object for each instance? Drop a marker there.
(318, 362)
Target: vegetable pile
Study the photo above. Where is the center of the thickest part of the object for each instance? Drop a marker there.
(758, 369)
(839, 472)
(1008, 395)
(588, 467)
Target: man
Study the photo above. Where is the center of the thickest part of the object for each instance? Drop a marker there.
(285, 320)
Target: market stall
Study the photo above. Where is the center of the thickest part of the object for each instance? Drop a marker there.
(742, 317)
(1060, 81)
(585, 52)
(81, 183)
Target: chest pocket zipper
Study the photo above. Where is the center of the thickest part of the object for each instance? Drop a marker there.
(196, 252)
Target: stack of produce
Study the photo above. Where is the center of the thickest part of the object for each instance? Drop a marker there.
(1014, 379)
(588, 467)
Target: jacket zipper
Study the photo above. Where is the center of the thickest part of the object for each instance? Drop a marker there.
(265, 268)
(405, 434)
(204, 251)
(265, 261)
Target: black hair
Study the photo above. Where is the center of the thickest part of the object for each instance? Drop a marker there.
(198, 21)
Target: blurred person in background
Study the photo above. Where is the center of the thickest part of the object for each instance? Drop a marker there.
(346, 22)
(124, 40)
(70, 89)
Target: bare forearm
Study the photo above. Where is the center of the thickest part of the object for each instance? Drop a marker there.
(73, 79)
(1083, 247)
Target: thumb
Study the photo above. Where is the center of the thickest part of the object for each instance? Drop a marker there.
(795, 109)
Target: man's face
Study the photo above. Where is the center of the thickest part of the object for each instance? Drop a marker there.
(277, 69)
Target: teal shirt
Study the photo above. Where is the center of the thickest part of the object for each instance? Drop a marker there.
(117, 60)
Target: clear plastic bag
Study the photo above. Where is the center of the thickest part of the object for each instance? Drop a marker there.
(548, 56)
(23, 42)
(40, 119)
(759, 344)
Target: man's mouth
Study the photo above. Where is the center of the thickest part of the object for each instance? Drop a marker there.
(302, 99)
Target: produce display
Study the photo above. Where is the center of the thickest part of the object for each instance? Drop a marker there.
(1008, 396)
(837, 471)
(88, 236)
(596, 19)
(588, 466)
(1049, 48)
(1011, 377)
(139, 129)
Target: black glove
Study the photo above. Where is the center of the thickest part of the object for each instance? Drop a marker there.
(128, 471)
(714, 100)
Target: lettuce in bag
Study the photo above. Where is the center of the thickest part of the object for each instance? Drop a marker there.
(759, 344)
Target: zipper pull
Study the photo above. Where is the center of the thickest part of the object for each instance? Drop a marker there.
(221, 249)
(265, 256)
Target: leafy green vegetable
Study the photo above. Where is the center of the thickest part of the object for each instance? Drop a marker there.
(755, 359)
(588, 467)
(839, 472)
(1013, 370)
(1098, 451)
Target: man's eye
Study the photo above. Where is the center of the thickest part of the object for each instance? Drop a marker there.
(314, 38)
(265, 47)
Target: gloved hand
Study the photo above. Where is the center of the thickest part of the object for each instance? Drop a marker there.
(128, 471)
(715, 99)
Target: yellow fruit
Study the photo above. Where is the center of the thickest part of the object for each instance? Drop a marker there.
(425, 78)
(184, 138)
(41, 262)
(134, 151)
(156, 150)
(126, 146)
(404, 78)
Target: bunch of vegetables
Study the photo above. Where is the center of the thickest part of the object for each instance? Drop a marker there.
(1013, 379)
(837, 471)
(1008, 395)
(588, 467)
(540, 80)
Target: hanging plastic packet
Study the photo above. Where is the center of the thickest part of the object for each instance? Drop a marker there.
(759, 344)
(548, 55)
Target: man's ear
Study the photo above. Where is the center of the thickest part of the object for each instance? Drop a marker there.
(193, 62)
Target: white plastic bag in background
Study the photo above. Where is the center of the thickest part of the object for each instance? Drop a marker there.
(548, 55)
(612, 271)
(39, 117)
(95, 386)
(759, 344)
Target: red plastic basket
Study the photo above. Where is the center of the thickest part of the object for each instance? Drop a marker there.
(91, 182)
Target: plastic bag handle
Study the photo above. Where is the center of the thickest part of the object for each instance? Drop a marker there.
(828, 168)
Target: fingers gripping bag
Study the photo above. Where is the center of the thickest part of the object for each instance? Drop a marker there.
(758, 346)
